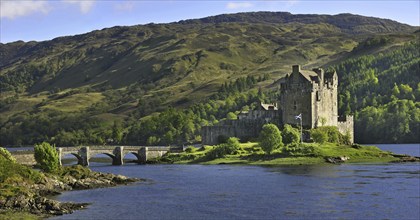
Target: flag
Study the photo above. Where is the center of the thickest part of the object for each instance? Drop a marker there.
(298, 116)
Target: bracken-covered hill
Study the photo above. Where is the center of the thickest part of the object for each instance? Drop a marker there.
(177, 64)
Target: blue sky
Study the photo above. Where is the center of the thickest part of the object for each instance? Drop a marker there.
(44, 20)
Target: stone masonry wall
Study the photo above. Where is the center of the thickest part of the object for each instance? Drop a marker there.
(242, 129)
(346, 125)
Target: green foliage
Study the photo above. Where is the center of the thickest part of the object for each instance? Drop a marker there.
(190, 149)
(319, 136)
(77, 171)
(329, 134)
(401, 118)
(290, 135)
(231, 146)
(203, 71)
(231, 116)
(270, 138)
(117, 134)
(6, 155)
(380, 90)
(9, 169)
(46, 157)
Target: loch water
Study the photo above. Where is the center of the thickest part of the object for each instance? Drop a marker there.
(347, 191)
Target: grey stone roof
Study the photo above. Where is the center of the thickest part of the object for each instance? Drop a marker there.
(309, 75)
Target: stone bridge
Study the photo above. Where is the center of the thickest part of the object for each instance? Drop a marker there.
(116, 153)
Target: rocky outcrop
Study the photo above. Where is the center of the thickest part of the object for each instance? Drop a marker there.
(337, 160)
(405, 158)
(39, 205)
(36, 200)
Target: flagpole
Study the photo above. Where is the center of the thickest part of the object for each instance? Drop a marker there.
(301, 132)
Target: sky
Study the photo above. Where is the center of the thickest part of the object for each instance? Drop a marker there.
(41, 20)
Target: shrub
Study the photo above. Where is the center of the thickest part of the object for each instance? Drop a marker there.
(46, 157)
(290, 135)
(319, 136)
(6, 154)
(232, 146)
(329, 134)
(270, 138)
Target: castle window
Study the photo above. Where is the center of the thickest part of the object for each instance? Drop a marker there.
(294, 105)
(318, 97)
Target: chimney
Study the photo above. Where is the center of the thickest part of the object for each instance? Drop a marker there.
(296, 68)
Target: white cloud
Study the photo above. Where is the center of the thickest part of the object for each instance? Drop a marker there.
(13, 9)
(85, 5)
(237, 5)
(125, 6)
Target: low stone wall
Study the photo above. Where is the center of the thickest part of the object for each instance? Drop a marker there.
(24, 157)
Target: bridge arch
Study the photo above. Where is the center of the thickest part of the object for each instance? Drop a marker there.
(80, 160)
(111, 156)
(132, 153)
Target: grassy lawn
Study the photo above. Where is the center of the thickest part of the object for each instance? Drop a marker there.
(251, 153)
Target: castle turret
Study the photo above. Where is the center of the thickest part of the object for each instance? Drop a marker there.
(320, 73)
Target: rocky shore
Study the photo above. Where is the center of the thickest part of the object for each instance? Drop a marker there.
(37, 199)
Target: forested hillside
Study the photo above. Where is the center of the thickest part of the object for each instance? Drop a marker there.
(383, 91)
(160, 83)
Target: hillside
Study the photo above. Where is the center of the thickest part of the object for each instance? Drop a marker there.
(111, 78)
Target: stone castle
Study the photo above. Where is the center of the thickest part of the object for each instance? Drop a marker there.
(311, 94)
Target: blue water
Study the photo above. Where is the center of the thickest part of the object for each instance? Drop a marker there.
(348, 191)
(410, 149)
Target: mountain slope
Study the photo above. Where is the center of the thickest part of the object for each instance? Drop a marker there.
(127, 73)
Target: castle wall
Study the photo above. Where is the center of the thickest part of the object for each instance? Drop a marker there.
(346, 125)
(242, 129)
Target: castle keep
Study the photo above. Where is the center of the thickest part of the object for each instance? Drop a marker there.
(313, 94)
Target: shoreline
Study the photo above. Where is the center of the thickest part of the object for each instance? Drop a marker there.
(38, 202)
(251, 154)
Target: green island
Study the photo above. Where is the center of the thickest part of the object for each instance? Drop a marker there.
(303, 154)
(277, 147)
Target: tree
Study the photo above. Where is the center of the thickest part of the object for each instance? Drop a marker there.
(233, 143)
(290, 135)
(46, 157)
(117, 133)
(270, 138)
(230, 147)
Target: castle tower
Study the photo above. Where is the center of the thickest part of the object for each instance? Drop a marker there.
(312, 94)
